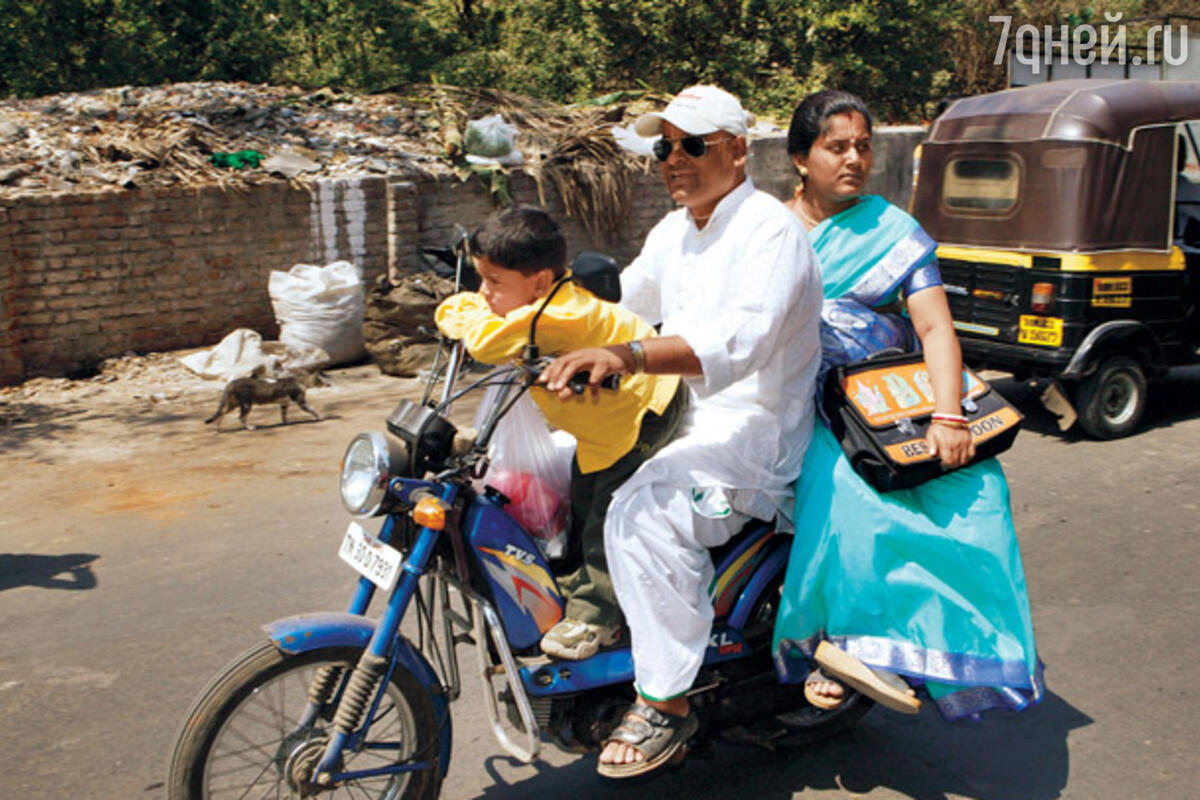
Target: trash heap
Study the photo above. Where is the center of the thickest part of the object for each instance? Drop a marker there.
(241, 134)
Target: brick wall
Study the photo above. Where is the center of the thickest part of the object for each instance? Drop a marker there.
(87, 276)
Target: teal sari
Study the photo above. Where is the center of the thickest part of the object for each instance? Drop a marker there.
(924, 582)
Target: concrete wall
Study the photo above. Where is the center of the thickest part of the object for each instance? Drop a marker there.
(891, 172)
(87, 276)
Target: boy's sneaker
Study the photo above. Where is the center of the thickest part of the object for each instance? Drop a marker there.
(575, 640)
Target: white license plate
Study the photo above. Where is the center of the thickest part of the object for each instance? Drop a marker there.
(371, 558)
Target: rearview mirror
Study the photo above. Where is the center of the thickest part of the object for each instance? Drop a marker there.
(599, 274)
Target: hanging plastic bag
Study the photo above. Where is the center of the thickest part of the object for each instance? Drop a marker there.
(490, 137)
(532, 472)
(321, 307)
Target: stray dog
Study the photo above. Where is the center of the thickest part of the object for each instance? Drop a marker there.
(245, 393)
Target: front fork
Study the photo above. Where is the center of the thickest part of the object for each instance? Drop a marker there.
(377, 662)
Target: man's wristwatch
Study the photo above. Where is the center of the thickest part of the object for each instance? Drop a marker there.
(638, 352)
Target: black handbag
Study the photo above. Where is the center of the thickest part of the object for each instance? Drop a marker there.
(880, 410)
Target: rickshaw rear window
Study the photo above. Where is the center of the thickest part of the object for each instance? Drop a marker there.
(981, 185)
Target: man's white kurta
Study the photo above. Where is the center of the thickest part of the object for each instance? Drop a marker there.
(745, 293)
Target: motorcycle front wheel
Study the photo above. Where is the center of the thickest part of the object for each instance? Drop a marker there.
(243, 737)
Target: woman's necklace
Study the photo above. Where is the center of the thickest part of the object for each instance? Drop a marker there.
(809, 220)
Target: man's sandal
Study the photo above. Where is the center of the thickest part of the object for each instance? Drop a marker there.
(884, 688)
(657, 736)
(821, 701)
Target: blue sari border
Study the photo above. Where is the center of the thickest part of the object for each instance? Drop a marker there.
(959, 669)
(976, 684)
(890, 271)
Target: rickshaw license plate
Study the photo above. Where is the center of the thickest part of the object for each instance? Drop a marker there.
(371, 558)
(1046, 331)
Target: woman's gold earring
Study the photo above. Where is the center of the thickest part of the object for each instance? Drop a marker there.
(803, 172)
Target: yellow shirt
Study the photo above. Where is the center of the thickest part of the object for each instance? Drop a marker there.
(605, 430)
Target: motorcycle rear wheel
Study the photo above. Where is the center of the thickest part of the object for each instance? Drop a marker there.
(241, 737)
(805, 724)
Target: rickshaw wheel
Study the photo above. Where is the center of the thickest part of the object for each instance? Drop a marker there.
(1111, 400)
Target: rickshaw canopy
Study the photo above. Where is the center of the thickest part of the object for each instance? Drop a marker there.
(1067, 166)
(1109, 111)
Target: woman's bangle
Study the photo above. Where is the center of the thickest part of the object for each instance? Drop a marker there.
(951, 420)
(638, 353)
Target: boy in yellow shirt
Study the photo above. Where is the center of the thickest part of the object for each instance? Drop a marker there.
(519, 253)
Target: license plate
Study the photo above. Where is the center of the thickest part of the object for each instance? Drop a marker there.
(371, 558)
(1046, 331)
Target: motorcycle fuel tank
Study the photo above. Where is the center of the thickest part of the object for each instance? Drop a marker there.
(524, 590)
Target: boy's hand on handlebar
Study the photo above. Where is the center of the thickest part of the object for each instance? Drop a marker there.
(599, 362)
(955, 445)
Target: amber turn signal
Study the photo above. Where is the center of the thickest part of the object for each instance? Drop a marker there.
(1041, 300)
(430, 513)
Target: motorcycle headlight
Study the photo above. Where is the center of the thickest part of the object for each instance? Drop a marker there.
(369, 462)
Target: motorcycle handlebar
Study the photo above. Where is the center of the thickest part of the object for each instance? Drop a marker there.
(578, 383)
(580, 380)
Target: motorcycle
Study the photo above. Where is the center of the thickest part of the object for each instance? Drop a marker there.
(344, 705)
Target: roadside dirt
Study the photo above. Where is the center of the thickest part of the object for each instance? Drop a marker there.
(155, 388)
(132, 440)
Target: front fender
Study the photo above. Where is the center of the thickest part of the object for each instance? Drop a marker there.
(305, 632)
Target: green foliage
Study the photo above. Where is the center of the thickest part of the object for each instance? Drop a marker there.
(900, 55)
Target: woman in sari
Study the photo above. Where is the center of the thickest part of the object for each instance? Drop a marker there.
(923, 583)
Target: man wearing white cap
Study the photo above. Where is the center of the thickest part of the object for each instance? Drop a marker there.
(735, 284)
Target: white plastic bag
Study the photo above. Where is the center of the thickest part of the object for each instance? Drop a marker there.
(533, 473)
(629, 140)
(490, 137)
(236, 356)
(320, 307)
(243, 353)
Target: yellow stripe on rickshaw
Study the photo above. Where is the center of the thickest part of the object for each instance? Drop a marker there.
(1116, 261)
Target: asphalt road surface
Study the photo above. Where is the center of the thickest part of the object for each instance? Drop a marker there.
(140, 551)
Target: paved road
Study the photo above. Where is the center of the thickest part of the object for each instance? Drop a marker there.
(139, 552)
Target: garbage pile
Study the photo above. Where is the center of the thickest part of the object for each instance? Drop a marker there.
(133, 136)
(240, 133)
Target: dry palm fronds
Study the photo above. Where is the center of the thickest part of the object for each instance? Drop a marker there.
(175, 147)
(570, 149)
(589, 171)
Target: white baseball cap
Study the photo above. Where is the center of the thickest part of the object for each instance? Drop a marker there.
(699, 110)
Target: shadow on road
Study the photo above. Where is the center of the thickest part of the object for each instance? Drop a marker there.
(1005, 757)
(1171, 401)
(69, 571)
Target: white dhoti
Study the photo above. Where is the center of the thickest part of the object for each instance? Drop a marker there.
(744, 293)
(658, 559)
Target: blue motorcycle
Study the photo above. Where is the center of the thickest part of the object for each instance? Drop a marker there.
(344, 705)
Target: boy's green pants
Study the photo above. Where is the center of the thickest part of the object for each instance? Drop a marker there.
(588, 587)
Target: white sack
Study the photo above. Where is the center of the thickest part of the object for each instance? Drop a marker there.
(320, 307)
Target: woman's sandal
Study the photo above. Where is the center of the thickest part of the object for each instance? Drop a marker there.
(882, 687)
(657, 736)
(824, 702)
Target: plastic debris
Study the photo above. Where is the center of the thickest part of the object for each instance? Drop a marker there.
(239, 160)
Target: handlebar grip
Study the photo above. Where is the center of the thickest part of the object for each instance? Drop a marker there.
(580, 380)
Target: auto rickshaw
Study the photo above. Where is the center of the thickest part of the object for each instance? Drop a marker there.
(1068, 217)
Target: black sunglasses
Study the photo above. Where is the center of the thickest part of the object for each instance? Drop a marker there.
(694, 146)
